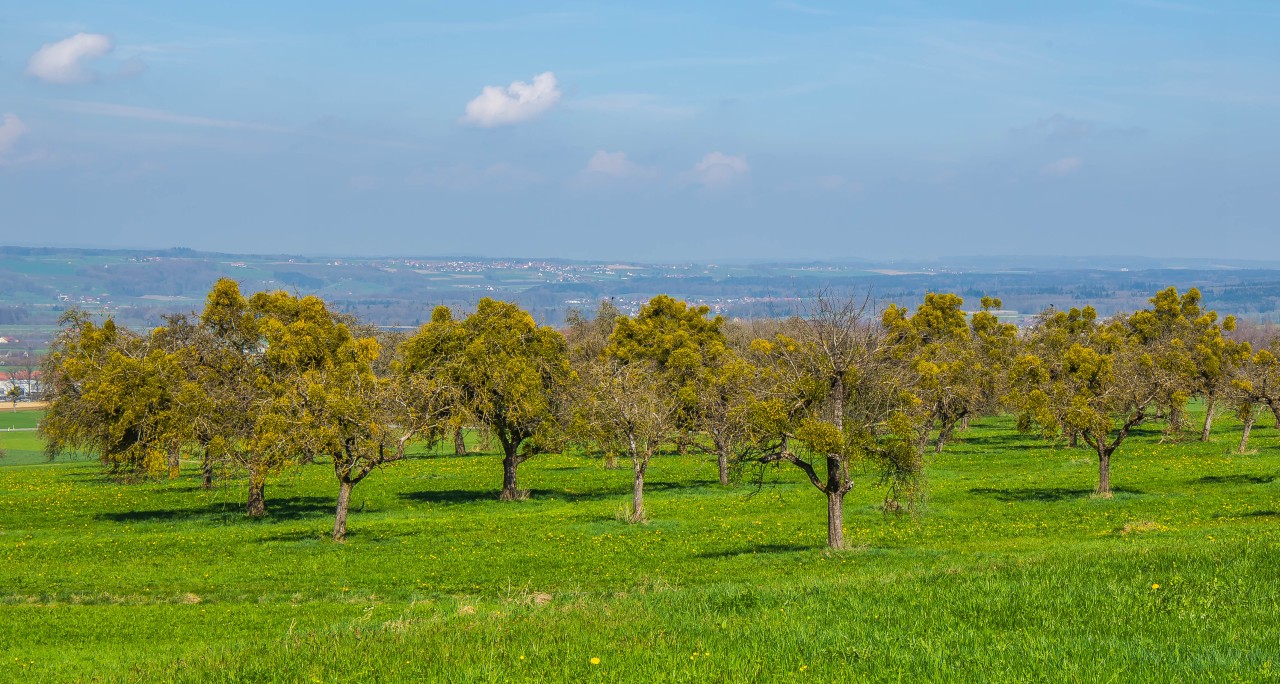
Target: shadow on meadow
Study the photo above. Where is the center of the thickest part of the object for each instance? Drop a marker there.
(757, 549)
(1010, 495)
(278, 510)
(1235, 479)
(463, 496)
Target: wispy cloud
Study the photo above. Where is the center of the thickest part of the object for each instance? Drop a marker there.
(717, 170)
(163, 116)
(643, 104)
(520, 101)
(1063, 167)
(11, 129)
(66, 61)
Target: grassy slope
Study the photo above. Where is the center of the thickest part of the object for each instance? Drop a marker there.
(1013, 572)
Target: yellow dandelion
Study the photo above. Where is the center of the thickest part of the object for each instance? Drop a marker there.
(595, 661)
(1155, 586)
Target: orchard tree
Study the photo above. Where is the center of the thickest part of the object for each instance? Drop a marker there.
(840, 398)
(507, 373)
(957, 361)
(1100, 380)
(630, 406)
(680, 341)
(327, 400)
(14, 393)
(1255, 385)
(1179, 331)
(111, 393)
(726, 394)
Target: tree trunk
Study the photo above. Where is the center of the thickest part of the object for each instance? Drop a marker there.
(1249, 420)
(722, 461)
(1210, 408)
(835, 520)
(1074, 438)
(257, 503)
(510, 491)
(1104, 473)
(637, 491)
(174, 462)
(610, 459)
(964, 423)
(944, 434)
(459, 442)
(207, 474)
(340, 517)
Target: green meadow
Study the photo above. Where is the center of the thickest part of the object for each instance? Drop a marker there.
(1010, 571)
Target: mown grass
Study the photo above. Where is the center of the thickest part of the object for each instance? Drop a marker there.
(1012, 571)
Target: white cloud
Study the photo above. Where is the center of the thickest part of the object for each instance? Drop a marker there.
(1062, 167)
(613, 164)
(66, 60)
(162, 116)
(520, 101)
(11, 128)
(605, 169)
(717, 169)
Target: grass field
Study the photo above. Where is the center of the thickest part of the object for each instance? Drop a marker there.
(1012, 572)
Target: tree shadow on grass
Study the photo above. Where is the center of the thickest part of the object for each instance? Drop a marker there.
(1235, 479)
(753, 550)
(280, 509)
(462, 496)
(1009, 495)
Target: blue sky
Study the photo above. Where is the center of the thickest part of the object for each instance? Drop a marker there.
(660, 130)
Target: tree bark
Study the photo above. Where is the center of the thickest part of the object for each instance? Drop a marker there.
(1249, 420)
(835, 520)
(1074, 439)
(459, 442)
(944, 433)
(610, 459)
(510, 461)
(340, 517)
(637, 490)
(256, 506)
(964, 423)
(1210, 408)
(206, 481)
(1104, 473)
(174, 462)
(722, 461)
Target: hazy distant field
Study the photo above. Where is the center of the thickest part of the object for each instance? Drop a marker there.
(1012, 572)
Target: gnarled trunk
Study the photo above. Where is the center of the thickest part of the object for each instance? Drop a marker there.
(340, 516)
(1210, 408)
(1249, 420)
(256, 506)
(459, 442)
(510, 461)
